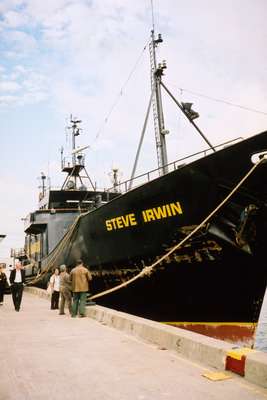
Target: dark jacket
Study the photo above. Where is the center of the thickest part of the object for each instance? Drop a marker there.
(3, 279)
(13, 275)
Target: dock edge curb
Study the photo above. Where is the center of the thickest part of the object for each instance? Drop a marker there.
(193, 346)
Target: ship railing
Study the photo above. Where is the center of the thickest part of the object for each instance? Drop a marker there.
(139, 180)
(59, 188)
(67, 162)
(17, 253)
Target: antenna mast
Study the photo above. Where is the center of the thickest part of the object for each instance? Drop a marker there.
(160, 131)
(78, 160)
(75, 132)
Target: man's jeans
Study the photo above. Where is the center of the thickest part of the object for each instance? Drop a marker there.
(79, 302)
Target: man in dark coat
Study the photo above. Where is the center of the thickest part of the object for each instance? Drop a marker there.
(17, 281)
(3, 281)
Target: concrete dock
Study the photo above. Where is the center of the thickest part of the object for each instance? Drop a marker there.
(47, 356)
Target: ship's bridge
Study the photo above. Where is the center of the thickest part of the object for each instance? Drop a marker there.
(34, 224)
(72, 199)
(64, 201)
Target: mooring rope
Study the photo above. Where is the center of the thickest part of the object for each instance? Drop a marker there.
(58, 250)
(147, 270)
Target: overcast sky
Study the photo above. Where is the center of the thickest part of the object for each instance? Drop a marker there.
(91, 59)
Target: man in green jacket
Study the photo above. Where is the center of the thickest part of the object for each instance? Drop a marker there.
(80, 278)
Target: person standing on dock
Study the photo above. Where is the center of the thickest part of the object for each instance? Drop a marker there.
(17, 282)
(80, 278)
(55, 286)
(65, 290)
(3, 280)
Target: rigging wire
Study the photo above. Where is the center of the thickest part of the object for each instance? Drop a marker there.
(222, 101)
(152, 15)
(120, 93)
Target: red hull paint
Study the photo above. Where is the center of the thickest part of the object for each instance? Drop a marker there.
(233, 333)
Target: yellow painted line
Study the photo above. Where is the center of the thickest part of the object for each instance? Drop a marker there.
(237, 354)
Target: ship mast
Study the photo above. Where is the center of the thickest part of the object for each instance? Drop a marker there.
(160, 131)
(75, 132)
(73, 169)
(156, 73)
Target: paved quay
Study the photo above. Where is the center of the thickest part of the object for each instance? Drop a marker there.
(47, 356)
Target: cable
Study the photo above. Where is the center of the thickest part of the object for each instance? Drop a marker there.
(222, 101)
(119, 94)
(152, 15)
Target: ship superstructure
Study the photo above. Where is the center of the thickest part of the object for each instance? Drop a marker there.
(58, 208)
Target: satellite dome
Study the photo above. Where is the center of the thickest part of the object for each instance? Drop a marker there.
(70, 185)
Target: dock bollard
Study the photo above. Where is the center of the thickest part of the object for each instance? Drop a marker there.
(236, 360)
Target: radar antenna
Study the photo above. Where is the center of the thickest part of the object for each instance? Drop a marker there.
(77, 163)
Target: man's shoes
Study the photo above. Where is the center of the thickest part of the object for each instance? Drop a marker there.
(61, 313)
(82, 316)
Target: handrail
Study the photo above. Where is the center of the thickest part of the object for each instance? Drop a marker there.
(125, 186)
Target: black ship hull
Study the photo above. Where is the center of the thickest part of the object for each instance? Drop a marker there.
(215, 282)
